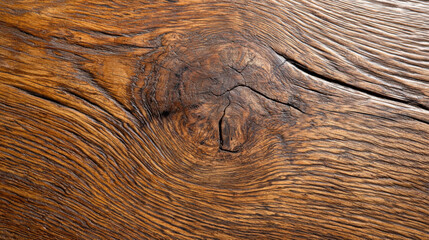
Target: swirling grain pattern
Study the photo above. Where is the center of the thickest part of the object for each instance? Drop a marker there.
(195, 119)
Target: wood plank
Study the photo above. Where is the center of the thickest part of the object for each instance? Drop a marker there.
(198, 119)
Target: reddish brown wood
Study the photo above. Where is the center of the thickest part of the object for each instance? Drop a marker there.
(214, 119)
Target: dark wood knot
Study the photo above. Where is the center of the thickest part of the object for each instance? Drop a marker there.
(221, 91)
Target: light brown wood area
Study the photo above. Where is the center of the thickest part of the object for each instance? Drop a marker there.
(195, 119)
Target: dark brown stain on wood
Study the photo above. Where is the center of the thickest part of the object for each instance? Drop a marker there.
(214, 119)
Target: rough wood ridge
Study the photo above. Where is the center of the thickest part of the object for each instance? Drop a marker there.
(195, 119)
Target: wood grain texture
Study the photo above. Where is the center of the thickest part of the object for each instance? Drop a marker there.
(195, 119)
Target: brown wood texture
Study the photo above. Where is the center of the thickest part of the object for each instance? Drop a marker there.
(195, 119)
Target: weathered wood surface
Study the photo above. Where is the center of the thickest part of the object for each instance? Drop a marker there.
(214, 119)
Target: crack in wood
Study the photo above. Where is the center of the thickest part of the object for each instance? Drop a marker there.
(221, 134)
(260, 94)
(308, 71)
(222, 123)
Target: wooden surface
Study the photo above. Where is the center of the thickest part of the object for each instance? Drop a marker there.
(196, 119)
